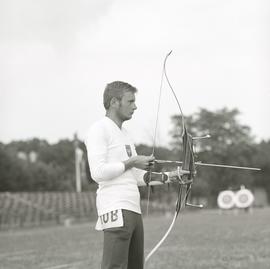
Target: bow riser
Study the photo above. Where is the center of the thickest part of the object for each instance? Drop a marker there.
(188, 156)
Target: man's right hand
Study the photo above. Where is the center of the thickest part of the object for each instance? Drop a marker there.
(140, 162)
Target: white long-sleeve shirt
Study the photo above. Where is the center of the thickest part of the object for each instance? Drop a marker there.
(107, 147)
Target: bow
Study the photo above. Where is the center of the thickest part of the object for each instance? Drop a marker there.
(187, 172)
(186, 168)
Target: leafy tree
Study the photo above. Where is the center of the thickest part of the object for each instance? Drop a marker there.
(230, 143)
(27, 146)
(54, 168)
(14, 174)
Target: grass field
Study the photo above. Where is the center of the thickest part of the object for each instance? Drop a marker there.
(199, 240)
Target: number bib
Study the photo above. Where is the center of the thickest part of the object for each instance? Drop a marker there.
(111, 219)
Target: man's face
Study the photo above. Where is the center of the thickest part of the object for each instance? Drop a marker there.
(126, 106)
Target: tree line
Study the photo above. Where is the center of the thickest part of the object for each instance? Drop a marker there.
(36, 165)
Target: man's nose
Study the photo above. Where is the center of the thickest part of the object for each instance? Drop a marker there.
(134, 107)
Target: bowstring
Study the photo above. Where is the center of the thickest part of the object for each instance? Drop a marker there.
(158, 109)
(155, 137)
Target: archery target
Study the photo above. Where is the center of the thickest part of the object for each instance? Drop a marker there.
(226, 199)
(244, 198)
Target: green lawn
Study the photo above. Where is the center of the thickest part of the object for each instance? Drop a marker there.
(202, 239)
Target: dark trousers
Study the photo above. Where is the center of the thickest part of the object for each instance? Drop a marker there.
(123, 247)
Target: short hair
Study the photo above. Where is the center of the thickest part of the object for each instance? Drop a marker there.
(116, 89)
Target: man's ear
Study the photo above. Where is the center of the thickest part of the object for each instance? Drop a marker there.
(114, 102)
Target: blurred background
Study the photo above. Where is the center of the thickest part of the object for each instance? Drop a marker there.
(56, 58)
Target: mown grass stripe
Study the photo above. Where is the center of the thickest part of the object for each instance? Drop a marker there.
(66, 265)
(16, 253)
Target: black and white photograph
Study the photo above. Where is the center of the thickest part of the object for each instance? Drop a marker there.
(134, 134)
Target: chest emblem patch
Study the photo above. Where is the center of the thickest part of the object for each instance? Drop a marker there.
(128, 150)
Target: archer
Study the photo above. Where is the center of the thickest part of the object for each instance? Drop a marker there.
(118, 170)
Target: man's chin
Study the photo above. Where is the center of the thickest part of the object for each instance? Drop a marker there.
(128, 117)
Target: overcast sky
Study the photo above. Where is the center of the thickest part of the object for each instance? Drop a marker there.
(57, 56)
